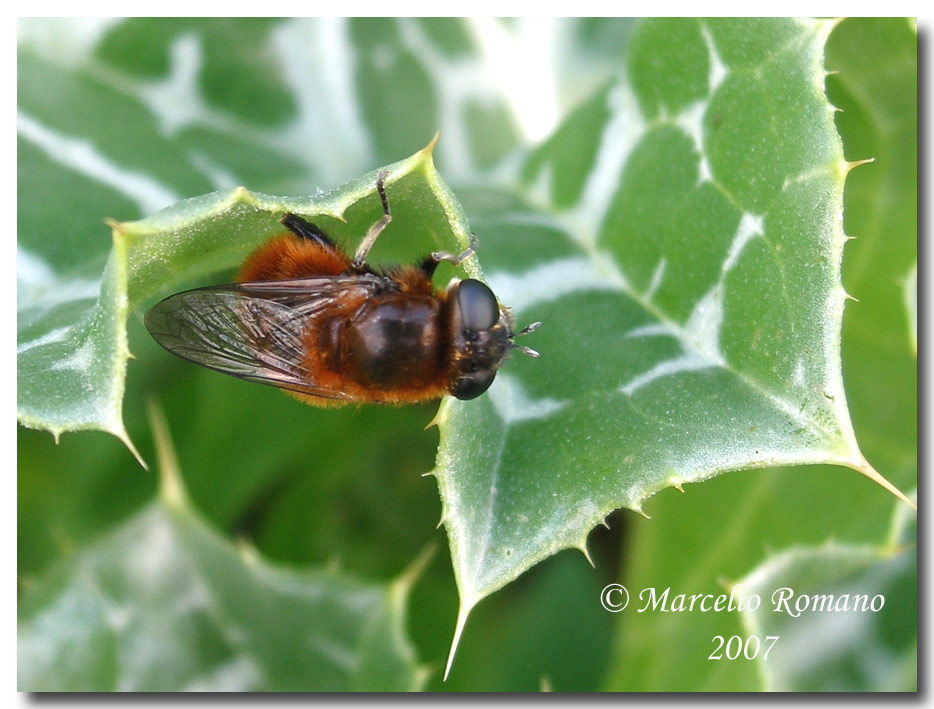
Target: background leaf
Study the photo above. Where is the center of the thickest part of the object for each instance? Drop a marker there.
(719, 531)
(697, 317)
(163, 604)
(144, 112)
(832, 608)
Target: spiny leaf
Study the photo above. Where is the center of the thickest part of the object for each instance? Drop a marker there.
(833, 606)
(717, 532)
(694, 325)
(163, 603)
(72, 348)
(713, 152)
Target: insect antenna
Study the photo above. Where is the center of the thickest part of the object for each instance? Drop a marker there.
(528, 351)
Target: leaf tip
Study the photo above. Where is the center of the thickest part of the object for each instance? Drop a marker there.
(421, 675)
(638, 508)
(848, 166)
(118, 229)
(441, 414)
(241, 195)
(247, 552)
(429, 149)
(462, 613)
(171, 490)
(116, 429)
(583, 550)
(413, 572)
(865, 468)
(125, 439)
(675, 482)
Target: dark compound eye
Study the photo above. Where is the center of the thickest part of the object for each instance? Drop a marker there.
(472, 385)
(478, 307)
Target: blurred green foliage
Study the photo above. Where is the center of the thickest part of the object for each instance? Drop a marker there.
(262, 467)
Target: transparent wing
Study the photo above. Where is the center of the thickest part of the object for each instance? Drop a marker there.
(255, 331)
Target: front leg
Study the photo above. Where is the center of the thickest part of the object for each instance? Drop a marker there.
(374, 231)
(430, 263)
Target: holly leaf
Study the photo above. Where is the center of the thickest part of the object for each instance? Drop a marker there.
(680, 235)
(842, 615)
(717, 532)
(72, 349)
(164, 603)
(692, 325)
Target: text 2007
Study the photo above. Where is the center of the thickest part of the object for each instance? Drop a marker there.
(736, 647)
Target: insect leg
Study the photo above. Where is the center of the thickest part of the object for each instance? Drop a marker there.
(435, 257)
(458, 259)
(375, 230)
(305, 229)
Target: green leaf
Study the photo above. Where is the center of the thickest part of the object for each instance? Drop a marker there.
(717, 532)
(163, 603)
(192, 239)
(843, 614)
(122, 118)
(71, 347)
(876, 88)
(695, 326)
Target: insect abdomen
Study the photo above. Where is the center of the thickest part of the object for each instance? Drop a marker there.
(395, 343)
(392, 348)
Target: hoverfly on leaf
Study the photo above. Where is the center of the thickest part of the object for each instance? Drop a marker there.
(332, 330)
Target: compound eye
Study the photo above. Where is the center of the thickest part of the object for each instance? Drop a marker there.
(472, 385)
(478, 307)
